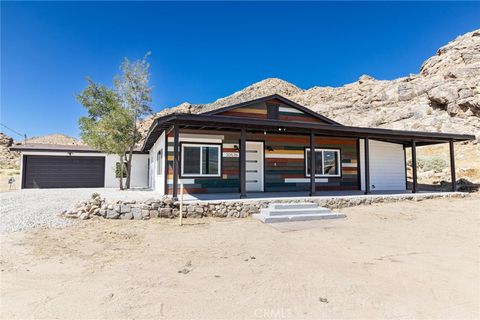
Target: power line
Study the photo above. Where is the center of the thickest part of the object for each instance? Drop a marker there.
(14, 131)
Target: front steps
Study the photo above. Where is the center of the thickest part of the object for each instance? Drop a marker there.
(303, 211)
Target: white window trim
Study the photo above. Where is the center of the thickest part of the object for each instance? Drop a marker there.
(201, 159)
(339, 163)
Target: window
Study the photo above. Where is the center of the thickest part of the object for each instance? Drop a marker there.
(327, 162)
(201, 160)
(117, 170)
(160, 162)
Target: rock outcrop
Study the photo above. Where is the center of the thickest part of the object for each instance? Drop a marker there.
(55, 138)
(11, 159)
(443, 97)
(8, 159)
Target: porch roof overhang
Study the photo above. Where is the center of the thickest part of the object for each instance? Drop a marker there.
(229, 123)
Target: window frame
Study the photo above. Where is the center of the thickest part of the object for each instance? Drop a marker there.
(322, 175)
(200, 145)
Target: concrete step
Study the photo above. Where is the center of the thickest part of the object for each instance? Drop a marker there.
(305, 217)
(292, 212)
(287, 206)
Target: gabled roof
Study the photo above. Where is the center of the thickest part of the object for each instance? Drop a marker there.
(271, 97)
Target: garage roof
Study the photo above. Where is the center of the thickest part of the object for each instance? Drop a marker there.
(56, 147)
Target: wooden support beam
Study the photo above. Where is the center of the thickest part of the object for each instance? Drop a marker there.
(176, 138)
(367, 165)
(405, 166)
(165, 164)
(312, 164)
(243, 163)
(414, 166)
(452, 167)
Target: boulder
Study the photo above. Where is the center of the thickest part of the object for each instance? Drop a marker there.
(125, 208)
(112, 214)
(127, 216)
(165, 212)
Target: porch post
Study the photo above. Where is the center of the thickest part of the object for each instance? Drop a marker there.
(243, 160)
(175, 161)
(312, 164)
(405, 166)
(367, 166)
(165, 165)
(414, 166)
(452, 166)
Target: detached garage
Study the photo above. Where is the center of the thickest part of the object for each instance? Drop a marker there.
(63, 172)
(70, 166)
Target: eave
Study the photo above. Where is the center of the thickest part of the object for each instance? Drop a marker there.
(225, 123)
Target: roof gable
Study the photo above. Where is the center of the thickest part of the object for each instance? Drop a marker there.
(274, 107)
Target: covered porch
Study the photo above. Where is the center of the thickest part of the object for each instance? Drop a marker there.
(172, 126)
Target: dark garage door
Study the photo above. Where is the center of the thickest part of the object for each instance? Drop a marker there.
(63, 172)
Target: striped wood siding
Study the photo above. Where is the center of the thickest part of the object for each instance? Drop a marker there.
(286, 113)
(259, 111)
(229, 182)
(284, 167)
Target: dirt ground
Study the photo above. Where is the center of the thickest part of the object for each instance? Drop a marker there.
(396, 260)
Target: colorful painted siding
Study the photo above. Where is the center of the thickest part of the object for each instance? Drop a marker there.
(229, 182)
(285, 165)
(284, 168)
(277, 109)
(257, 111)
(287, 113)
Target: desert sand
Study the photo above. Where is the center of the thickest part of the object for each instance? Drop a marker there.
(396, 260)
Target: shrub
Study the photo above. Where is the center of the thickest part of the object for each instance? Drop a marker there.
(430, 163)
(95, 195)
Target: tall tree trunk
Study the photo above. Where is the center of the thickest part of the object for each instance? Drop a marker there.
(130, 154)
(120, 179)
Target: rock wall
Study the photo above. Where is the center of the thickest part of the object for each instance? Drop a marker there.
(167, 208)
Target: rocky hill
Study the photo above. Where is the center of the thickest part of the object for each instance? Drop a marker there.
(55, 138)
(8, 159)
(444, 96)
(11, 159)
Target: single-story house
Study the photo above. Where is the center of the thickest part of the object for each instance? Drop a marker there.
(263, 145)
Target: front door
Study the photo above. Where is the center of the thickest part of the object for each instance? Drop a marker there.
(254, 166)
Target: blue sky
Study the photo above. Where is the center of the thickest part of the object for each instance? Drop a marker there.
(204, 51)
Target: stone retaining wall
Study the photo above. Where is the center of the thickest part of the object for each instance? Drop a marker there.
(167, 208)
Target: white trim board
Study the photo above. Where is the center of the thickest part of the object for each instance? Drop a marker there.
(304, 180)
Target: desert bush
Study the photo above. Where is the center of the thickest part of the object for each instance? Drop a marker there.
(95, 195)
(430, 163)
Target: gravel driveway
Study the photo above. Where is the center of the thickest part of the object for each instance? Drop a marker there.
(33, 208)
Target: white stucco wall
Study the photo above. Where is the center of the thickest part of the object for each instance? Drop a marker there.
(157, 181)
(387, 165)
(139, 177)
(139, 166)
